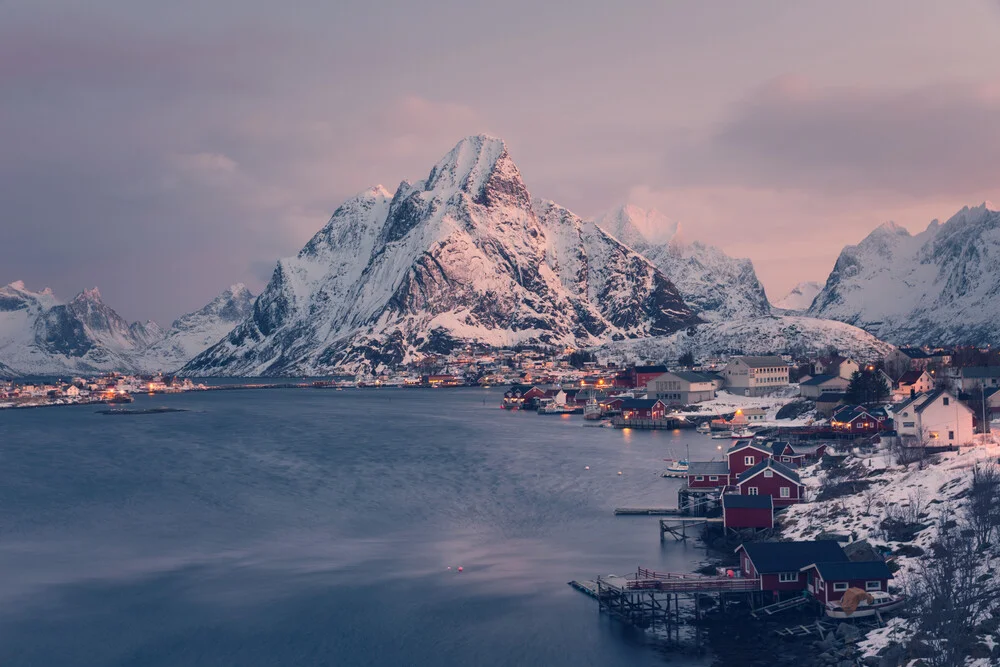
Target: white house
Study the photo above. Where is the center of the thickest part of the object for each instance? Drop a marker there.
(972, 378)
(911, 383)
(937, 416)
(755, 376)
(818, 385)
(681, 387)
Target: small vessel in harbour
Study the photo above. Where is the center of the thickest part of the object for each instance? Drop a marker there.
(880, 602)
(592, 410)
(703, 428)
(722, 435)
(676, 468)
(742, 433)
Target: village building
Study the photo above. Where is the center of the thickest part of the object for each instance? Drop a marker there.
(745, 454)
(638, 376)
(828, 402)
(818, 385)
(837, 366)
(798, 454)
(973, 378)
(707, 474)
(859, 420)
(522, 397)
(828, 581)
(741, 512)
(935, 418)
(779, 565)
(753, 415)
(911, 383)
(643, 408)
(903, 359)
(755, 376)
(681, 388)
(771, 478)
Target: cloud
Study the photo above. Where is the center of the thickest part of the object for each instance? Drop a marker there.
(931, 141)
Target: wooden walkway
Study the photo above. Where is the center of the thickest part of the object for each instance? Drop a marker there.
(649, 424)
(647, 511)
(672, 582)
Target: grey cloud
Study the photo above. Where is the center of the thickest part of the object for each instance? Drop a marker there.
(930, 141)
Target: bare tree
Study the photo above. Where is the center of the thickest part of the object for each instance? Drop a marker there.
(869, 498)
(983, 510)
(951, 600)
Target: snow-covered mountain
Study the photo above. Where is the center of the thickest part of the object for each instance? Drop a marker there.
(760, 335)
(941, 286)
(717, 286)
(801, 296)
(41, 335)
(192, 334)
(464, 255)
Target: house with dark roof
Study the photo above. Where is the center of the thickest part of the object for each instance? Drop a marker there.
(638, 376)
(779, 565)
(972, 378)
(828, 581)
(771, 478)
(707, 474)
(828, 402)
(858, 420)
(818, 385)
(522, 397)
(742, 512)
(798, 454)
(911, 383)
(935, 418)
(643, 408)
(745, 454)
(682, 387)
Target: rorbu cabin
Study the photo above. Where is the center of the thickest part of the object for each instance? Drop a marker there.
(745, 454)
(741, 512)
(799, 454)
(779, 565)
(770, 478)
(643, 408)
(827, 582)
(707, 474)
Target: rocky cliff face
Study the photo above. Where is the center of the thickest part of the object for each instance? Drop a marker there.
(800, 297)
(940, 286)
(718, 286)
(464, 255)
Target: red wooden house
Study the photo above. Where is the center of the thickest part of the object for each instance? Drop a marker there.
(638, 376)
(745, 454)
(707, 474)
(779, 565)
(521, 397)
(643, 408)
(612, 406)
(798, 454)
(770, 478)
(858, 420)
(829, 581)
(747, 511)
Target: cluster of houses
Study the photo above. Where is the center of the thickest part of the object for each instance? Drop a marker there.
(109, 387)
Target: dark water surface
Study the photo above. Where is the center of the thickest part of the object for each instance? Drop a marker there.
(316, 527)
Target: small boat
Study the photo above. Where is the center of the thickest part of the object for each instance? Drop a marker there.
(676, 468)
(722, 435)
(703, 428)
(742, 433)
(592, 410)
(882, 603)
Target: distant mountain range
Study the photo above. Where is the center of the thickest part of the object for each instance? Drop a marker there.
(800, 297)
(464, 255)
(40, 335)
(941, 286)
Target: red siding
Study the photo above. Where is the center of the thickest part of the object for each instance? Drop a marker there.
(742, 517)
(737, 460)
(769, 582)
(771, 486)
(707, 483)
(825, 593)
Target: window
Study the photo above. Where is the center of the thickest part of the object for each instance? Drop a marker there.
(752, 491)
(908, 424)
(786, 459)
(786, 577)
(713, 478)
(873, 585)
(946, 400)
(840, 587)
(951, 435)
(699, 478)
(786, 492)
(748, 460)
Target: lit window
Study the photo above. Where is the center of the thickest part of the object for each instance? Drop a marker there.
(840, 587)
(873, 585)
(786, 577)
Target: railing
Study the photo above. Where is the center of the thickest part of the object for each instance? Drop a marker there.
(688, 583)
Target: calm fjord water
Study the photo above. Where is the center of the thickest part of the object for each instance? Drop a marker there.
(316, 527)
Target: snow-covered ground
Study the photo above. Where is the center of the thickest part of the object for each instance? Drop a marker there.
(936, 487)
(725, 403)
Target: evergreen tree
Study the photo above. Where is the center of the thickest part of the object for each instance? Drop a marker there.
(867, 387)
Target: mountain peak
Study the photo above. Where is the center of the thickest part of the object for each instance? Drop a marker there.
(636, 227)
(481, 167)
(91, 294)
(18, 285)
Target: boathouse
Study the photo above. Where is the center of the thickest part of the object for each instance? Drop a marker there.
(745, 454)
(779, 565)
(643, 408)
(707, 474)
(770, 478)
(858, 420)
(521, 396)
(740, 512)
(827, 582)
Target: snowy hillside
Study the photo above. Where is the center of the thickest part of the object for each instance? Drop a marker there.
(801, 296)
(762, 335)
(462, 255)
(717, 286)
(195, 332)
(40, 335)
(937, 287)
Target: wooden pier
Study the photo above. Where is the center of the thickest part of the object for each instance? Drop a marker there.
(678, 526)
(647, 511)
(668, 424)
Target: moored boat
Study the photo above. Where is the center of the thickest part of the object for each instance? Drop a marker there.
(703, 428)
(881, 602)
(723, 435)
(676, 468)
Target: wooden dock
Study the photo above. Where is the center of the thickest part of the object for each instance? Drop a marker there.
(647, 511)
(678, 526)
(651, 424)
